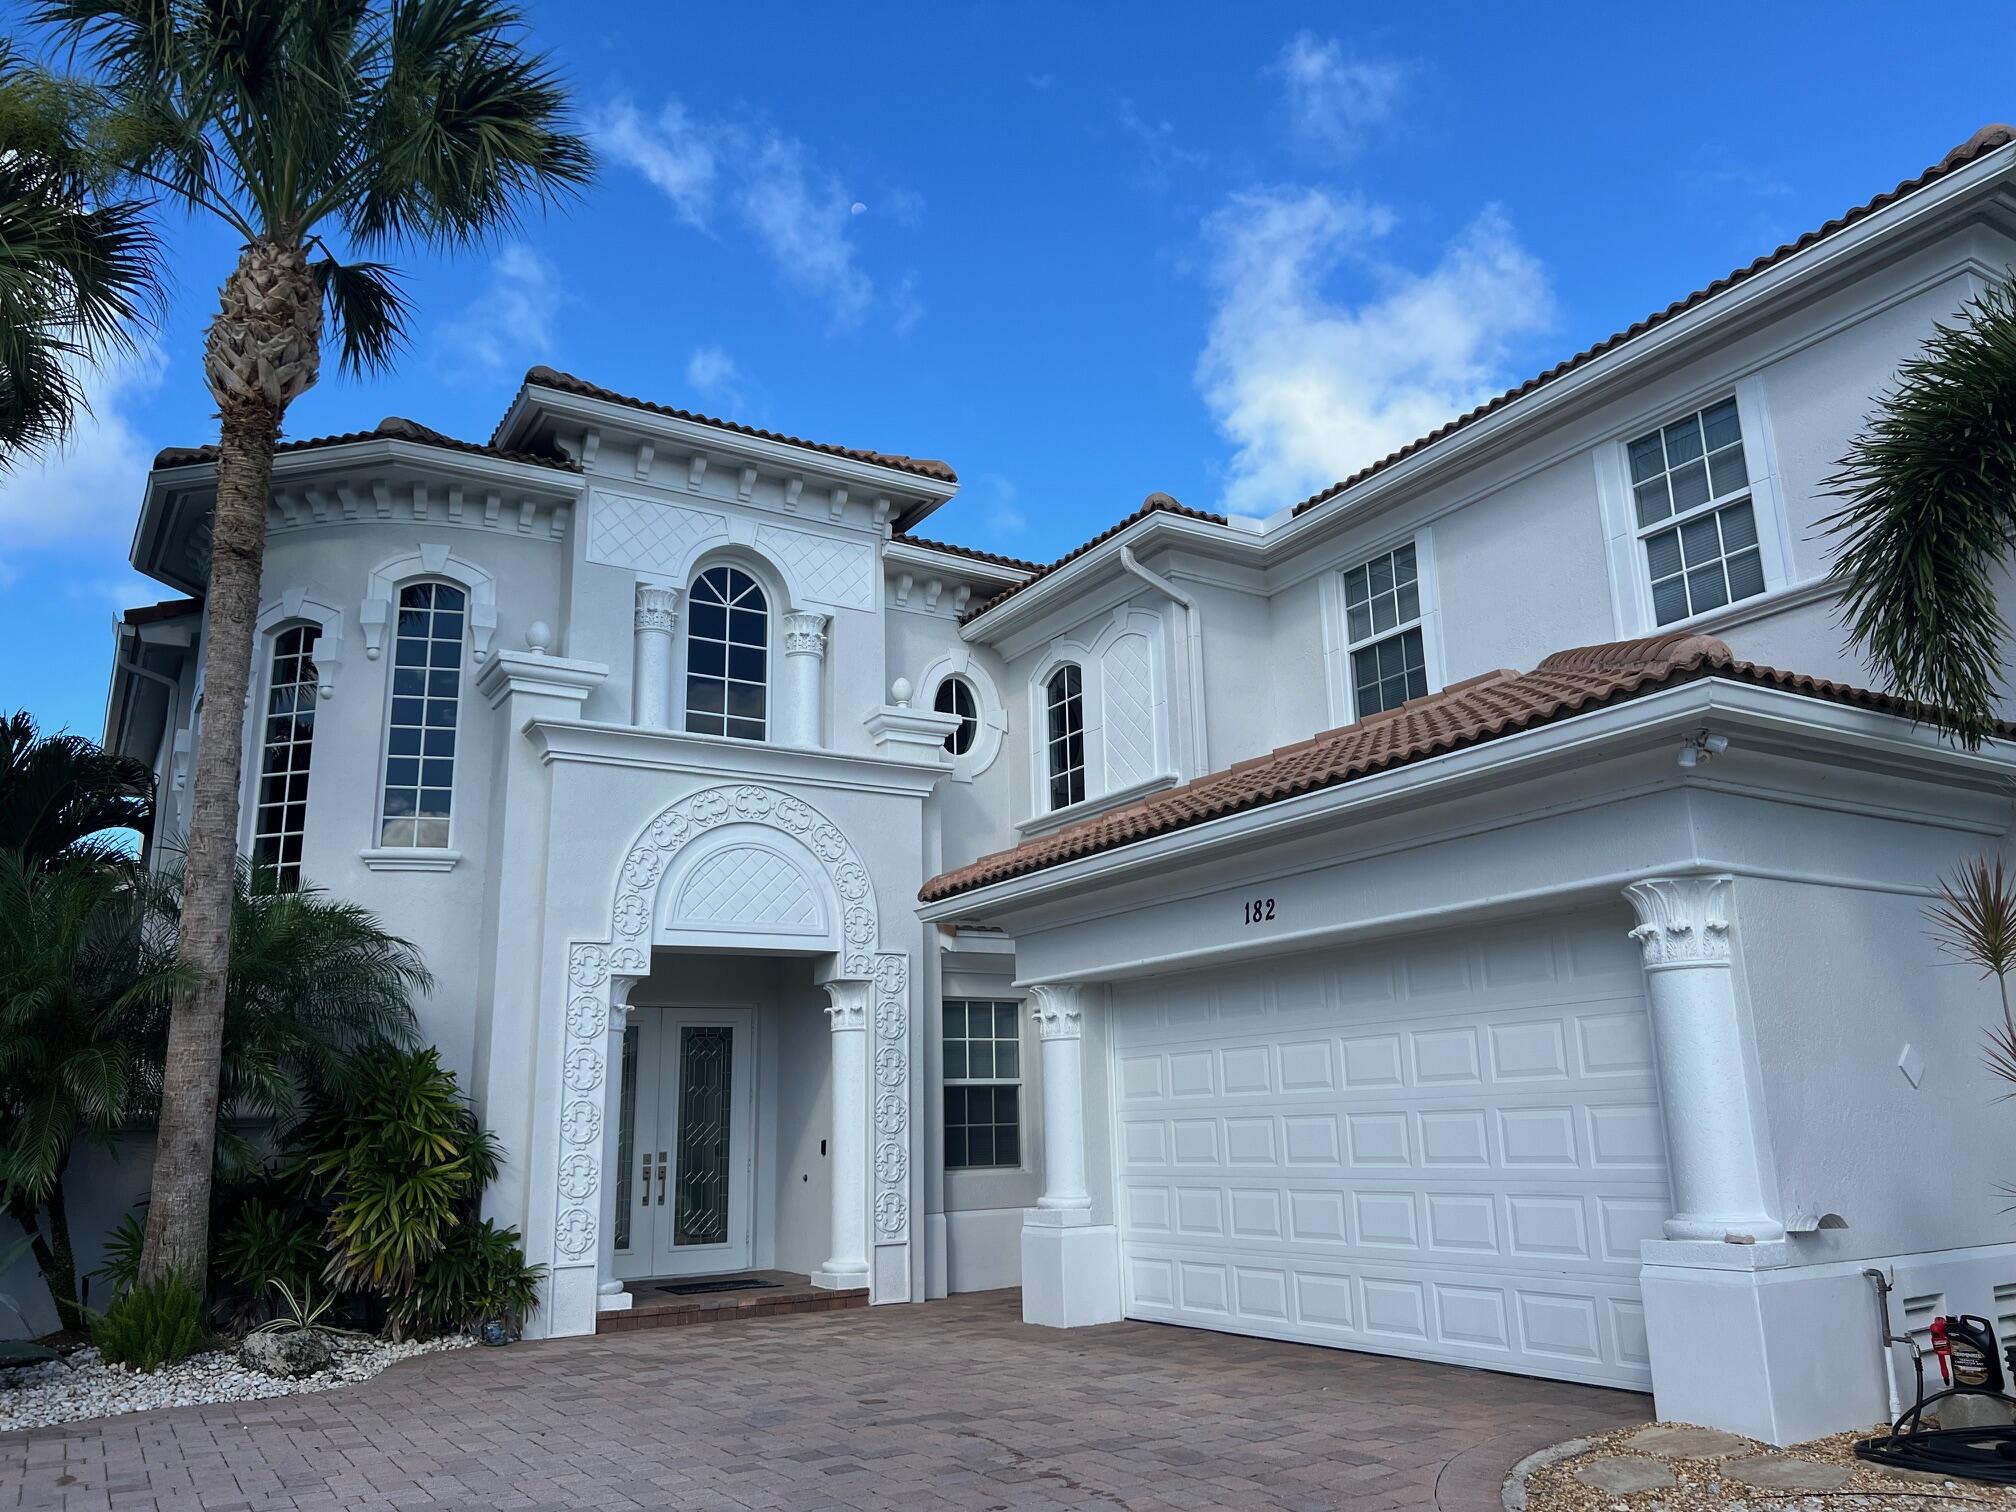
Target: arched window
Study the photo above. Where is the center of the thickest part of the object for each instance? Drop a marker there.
(728, 655)
(286, 738)
(1065, 697)
(955, 696)
(426, 700)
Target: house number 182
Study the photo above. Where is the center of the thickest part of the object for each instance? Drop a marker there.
(1260, 911)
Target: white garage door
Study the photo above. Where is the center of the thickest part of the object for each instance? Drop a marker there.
(1448, 1148)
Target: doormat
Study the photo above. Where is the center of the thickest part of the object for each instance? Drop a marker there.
(725, 1284)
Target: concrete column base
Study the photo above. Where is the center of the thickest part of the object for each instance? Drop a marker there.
(831, 1278)
(616, 1300)
(1070, 1269)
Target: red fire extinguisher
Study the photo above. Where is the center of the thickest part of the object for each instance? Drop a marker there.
(1942, 1348)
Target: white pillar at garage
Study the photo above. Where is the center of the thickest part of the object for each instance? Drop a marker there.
(610, 1293)
(847, 1017)
(1070, 1265)
(1713, 1125)
(651, 669)
(804, 678)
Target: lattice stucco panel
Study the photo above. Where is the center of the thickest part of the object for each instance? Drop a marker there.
(747, 887)
(826, 571)
(1129, 690)
(648, 535)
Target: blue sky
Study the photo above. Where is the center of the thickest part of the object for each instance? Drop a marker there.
(1080, 252)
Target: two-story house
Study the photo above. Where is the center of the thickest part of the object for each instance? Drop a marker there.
(1419, 921)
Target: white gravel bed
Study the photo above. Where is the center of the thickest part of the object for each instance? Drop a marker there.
(84, 1386)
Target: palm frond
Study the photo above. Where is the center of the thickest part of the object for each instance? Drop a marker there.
(369, 309)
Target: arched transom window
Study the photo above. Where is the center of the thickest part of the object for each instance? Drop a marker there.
(728, 655)
(1064, 694)
(426, 701)
(285, 742)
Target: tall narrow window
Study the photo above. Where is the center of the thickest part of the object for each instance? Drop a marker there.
(728, 656)
(1690, 491)
(426, 699)
(287, 737)
(983, 1083)
(1065, 696)
(955, 697)
(1382, 612)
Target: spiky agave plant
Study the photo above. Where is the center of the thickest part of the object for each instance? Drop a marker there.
(375, 123)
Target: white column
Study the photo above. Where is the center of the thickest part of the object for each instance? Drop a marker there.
(610, 1295)
(1070, 1265)
(1059, 1012)
(1713, 1149)
(804, 678)
(651, 670)
(847, 1017)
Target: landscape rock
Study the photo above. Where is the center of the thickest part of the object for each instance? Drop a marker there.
(291, 1355)
(1620, 1475)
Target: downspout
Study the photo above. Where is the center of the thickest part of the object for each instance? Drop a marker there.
(1193, 643)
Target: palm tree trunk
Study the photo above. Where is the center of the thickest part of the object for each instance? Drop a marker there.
(178, 1236)
(263, 351)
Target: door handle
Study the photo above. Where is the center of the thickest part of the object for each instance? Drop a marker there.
(645, 1199)
(661, 1178)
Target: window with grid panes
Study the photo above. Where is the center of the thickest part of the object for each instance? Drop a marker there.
(1064, 696)
(426, 706)
(1690, 496)
(727, 655)
(1382, 622)
(983, 1083)
(286, 740)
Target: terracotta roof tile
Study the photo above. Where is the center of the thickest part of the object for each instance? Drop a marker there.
(1979, 145)
(924, 467)
(391, 428)
(1464, 714)
(1155, 503)
(995, 558)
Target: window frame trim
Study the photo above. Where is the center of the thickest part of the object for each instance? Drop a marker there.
(1022, 1082)
(777, 604)
(1337, 642)
(269, 643)
(377, 855)
(1632, 609)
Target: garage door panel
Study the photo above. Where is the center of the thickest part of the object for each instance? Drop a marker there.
(1450, 1148)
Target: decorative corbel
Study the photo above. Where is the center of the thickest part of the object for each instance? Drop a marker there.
(591, 443)
(932, 588)
(381, 496)
(882, 508)
(318, 504)
(904, 581)
(696, 469)
(961, 596)
(836, 502)
(420, 501)
(493, 505)
(528, 509)
(454, 503)
(792, 488)
(745, 485)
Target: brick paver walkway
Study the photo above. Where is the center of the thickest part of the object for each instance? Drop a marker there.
(953, 1404)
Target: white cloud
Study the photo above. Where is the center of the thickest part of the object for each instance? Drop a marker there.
(710, 371)
(1334, 97)
(674, 153)
(85, 493)
(801, 215)
(1160, 153)
(1000, 503)
(1311, 386)
(511, 323)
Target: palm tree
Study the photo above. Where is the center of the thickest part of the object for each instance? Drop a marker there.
(78, 269)
(1930, 520)
(385, 123)
(60, 794)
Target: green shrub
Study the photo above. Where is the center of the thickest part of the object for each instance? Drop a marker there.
(399, 1161)
(122, 1255)
(478, 1274)
(267, 1244)
(155, 1323)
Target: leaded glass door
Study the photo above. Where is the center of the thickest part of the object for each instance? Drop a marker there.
(684, 1137)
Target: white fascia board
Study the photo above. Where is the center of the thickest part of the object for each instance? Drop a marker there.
(600, 744)
(1069, 582)
(778, 456)
(1810, 729)
(1287, 530)
(951, 564)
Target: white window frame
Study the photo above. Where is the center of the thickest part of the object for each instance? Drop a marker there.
(1090, 657)
(773, 618)
(1047, 741)
(387, 856)
(1337, 642)
(963, 664)
(271, 644)
(1019, 1081)
(1630, 577)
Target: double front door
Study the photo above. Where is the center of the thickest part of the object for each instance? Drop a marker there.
(684, 1142)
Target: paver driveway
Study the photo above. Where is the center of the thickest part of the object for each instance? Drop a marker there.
(954, 1404)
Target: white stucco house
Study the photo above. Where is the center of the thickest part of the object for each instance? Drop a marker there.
(1419, 921)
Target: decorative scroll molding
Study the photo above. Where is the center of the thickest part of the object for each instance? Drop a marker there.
(891, 1064)
(1058, 1009)
(1682, 921)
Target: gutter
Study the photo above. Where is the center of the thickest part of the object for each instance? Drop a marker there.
(1193, 654)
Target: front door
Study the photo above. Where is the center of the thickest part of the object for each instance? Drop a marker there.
(685, 1142)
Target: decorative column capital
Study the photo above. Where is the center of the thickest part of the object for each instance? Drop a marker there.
(657, 607)
(847, 1008)
(1682, 921)
(1058, 1009)
(805, 633)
